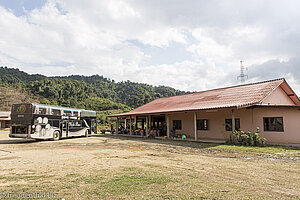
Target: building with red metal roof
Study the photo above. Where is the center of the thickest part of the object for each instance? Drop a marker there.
(4, 119)
(270, 105)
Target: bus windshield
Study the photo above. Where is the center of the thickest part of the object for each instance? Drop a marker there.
(22, 109)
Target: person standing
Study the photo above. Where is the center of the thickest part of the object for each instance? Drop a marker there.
(164, 130)
(173, 132)
(111, 129)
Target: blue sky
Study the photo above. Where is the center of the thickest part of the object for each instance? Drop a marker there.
(191, 45)
(19, 7)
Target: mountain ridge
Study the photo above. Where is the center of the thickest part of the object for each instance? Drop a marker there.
(89, 92)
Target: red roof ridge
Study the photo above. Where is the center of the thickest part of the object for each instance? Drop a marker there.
(233, 86)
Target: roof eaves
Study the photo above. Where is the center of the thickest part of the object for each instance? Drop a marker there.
(293, 92)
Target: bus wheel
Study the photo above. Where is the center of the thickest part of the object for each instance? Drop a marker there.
(56, 135)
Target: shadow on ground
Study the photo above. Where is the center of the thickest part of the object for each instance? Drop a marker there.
(181, 143)
(18, 141)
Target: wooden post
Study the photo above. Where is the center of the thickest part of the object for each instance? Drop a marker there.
(195, 126)
(117, 126)
(147, 121)
(168, 126)
(130, 125)
(125, 123)
(233, 120)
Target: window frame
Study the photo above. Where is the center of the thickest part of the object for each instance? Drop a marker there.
(270, 125)
(237, 124)
(202, 127)
(177, 126)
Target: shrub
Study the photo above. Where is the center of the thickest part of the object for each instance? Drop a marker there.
(246, 138)
(103, 131)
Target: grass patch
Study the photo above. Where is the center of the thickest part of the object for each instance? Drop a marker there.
(126, 182)
(134, 180)
(18, 178)
(266, 149)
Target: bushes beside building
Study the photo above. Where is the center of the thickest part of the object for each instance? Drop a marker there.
(248, 138)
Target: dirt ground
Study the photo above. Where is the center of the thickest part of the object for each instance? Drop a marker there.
(113, 167)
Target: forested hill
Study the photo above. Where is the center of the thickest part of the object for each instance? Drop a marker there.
(126, 92)
(88, 92)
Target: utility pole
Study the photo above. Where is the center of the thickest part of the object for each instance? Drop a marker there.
(242, 76)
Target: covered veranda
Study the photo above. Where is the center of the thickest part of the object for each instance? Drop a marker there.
(143, 123)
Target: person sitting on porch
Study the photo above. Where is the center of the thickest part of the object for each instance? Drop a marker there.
(142, 131)
(121, 129)
(152, 133)
(157, 133)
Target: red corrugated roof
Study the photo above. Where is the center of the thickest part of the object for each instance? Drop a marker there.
(230, 97)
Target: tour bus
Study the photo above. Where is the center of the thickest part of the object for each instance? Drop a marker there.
(38, 121)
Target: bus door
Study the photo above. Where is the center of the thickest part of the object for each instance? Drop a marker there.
(65, 128)
(93, 126)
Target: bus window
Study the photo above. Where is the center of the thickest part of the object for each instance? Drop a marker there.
(36, 110)
(75, 124)
(21, 108)
(42, 111)
(67, 113)
(85, 123)
(75, 113)
(54, 123)
(55, 112)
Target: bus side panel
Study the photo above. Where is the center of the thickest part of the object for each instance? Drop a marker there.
(44, 126)
(77, 128)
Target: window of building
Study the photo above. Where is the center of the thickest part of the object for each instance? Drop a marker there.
(202, 124)
(273, 124)
(177, 124)
(228, 124)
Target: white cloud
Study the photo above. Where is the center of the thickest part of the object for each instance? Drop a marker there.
(208, 47)
(87, 37)
(162, 36)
